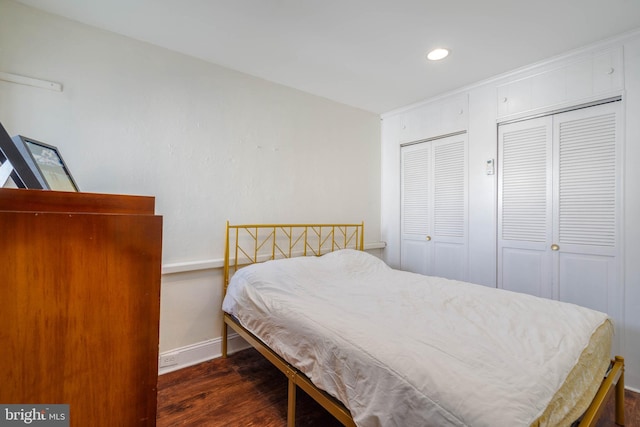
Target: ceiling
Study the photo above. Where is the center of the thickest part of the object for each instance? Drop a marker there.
(369, 54)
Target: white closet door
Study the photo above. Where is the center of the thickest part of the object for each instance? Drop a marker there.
(586, 208)
(559, 208)
(416, 207)
(434, 208)
(449, 218)
(524, 207)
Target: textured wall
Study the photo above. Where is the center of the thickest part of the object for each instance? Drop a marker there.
(210, 143)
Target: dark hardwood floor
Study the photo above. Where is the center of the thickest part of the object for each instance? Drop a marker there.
(242, 390)
(246, 390)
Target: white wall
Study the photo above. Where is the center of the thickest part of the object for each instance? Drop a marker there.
(210, 143)
(551, 77)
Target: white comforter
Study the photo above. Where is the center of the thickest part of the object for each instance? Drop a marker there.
(402, 349)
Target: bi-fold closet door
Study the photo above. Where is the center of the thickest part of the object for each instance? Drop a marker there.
(434, 207)
(559, 207)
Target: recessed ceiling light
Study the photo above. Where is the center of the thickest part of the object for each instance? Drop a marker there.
(437, 54)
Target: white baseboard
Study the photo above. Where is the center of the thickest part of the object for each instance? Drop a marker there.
(193, 354)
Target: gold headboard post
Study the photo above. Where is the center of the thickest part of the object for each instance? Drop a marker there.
(226, 258)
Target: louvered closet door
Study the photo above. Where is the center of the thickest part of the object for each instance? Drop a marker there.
(449, 218)
(586, 208)
(434, 207)
(524, 207)
(559, 206)
(416, 207)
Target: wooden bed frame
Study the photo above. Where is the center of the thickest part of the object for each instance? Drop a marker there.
(262, 242)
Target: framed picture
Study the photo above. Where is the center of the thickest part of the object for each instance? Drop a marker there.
(35, 164)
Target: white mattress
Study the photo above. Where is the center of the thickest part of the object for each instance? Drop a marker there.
(402, 349)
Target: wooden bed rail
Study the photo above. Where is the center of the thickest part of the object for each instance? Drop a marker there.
(615, 379)
(295, 379)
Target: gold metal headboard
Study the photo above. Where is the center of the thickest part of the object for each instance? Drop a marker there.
(252, 243)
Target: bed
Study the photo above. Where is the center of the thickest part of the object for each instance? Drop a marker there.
(381, 347)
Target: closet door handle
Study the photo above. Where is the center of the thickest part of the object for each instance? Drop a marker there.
(555, 247)
(428, 238)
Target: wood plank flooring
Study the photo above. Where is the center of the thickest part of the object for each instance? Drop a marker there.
(246, 390)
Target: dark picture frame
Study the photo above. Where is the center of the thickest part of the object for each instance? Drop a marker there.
(35, 164)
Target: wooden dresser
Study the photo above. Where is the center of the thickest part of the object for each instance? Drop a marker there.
(79, 304)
